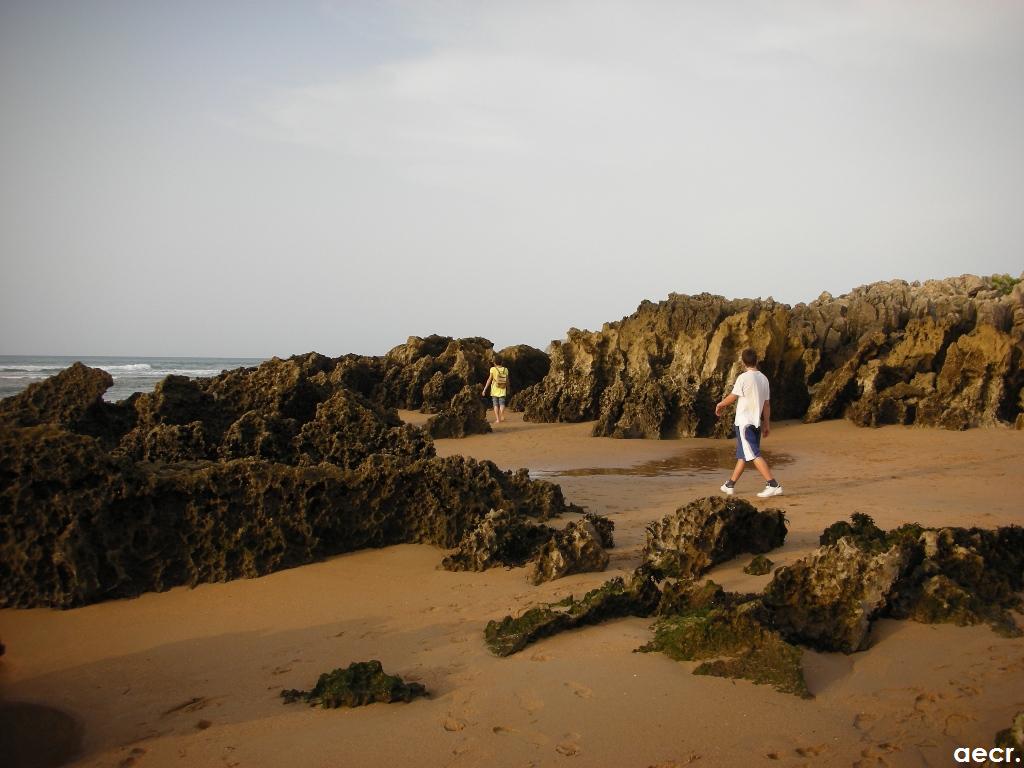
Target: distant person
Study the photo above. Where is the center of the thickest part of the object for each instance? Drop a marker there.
(753, 420)
(497, 380)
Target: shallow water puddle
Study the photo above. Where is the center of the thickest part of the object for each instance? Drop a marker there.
(691, 462)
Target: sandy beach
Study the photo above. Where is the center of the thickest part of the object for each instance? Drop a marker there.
(191, 677)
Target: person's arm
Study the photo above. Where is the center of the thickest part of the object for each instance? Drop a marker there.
(486, 385)
(726, 402)
(766, 418)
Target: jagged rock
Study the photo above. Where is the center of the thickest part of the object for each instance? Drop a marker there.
(1013, 736)
(361, 683)
(605, 529)
(465, 415)
(709, 531)
(958, 576)
(72, 399)
(501, 538)
(828, 599)
(79, 525)
(575, 549)
(946, 353)
(613, 599)
(759, 566)
(731, 642)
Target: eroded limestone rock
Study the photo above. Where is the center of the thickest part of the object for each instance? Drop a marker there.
(465, 415)
(711, 530)
(500, 539)
(577, 548)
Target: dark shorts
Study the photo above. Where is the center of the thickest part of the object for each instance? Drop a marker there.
(748, 442)
(498, 401)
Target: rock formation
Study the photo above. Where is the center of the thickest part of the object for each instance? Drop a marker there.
(575, 549)
(252, 471)
(465, 415)
(949, 575)
(711, 530)
(424, 374)
(361, 683)
(947, 353)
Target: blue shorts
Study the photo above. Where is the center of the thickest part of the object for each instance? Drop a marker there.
(748, 442)
(498, 401)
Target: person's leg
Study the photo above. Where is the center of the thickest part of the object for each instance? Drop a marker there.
(497, 417)
(763, 468)
(738, 470)
(501, 409)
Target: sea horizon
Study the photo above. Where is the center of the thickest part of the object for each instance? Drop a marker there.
(131, 373)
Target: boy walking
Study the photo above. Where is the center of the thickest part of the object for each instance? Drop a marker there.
(753, 420)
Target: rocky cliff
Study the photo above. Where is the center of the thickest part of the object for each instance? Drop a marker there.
(945, 353)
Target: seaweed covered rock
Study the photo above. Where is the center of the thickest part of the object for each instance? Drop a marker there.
(947, 353)
(731, 642)
(616, 598)
(501, 538)
(828, 599)
(759, 566)
(362, 683)
(578, 548)
(465, 415)
(709, 531)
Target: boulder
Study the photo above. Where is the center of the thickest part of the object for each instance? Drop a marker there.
(708, 531)
(828, 599)
(361, 683)
(465, 415)
(501, 538)
(577, 548)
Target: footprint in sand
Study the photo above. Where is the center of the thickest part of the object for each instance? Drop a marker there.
(453, 724)
(540, 657)
(570, 745)
(579, 689)
(192, 705)
(811, 751)
(133, 758)
(530, 701)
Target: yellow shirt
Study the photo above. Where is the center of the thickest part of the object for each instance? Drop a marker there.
(498, 390)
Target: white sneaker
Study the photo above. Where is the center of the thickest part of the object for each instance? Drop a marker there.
(728, 490)
(769, 491)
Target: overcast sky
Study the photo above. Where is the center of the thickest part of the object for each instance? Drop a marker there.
(260, 178)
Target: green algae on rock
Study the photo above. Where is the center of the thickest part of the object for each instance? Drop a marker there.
(362, 683)
(759, 566)
(708, 531)
(731, 642)
(613, 599)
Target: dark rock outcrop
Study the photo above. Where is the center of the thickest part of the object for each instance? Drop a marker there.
(424, 374)
(828, 599)
(948, 575)
(711, 530)
(252, 471)
(1013, 736)
(361, 683)
(501, 538)
(578, 548)
(947, 353)
(465, 415)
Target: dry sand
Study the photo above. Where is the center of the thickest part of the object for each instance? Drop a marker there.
(191, 677)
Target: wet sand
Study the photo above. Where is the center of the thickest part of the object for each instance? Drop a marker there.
(191, 677)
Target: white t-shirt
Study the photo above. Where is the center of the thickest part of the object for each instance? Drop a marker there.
(752, 390)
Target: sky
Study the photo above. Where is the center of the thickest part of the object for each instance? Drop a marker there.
(219, 178)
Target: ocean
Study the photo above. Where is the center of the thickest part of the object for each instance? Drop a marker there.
(131, 374)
